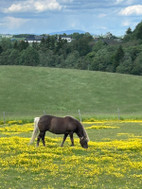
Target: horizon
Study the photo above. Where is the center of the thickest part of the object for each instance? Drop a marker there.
(67, 32)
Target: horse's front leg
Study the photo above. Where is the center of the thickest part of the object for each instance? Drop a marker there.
(71, 137)
(65, 136)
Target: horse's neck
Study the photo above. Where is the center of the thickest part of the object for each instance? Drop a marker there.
(80, 131)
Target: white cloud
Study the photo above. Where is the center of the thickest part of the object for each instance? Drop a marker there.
(12, 22)
(119, 1)
(34, 6)
(103, 27)
(132, 10)
(102, 15)
(128, 2)
(126, 23)
(15, 7)
(67, 1)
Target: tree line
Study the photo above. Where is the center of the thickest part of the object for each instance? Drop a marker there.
(109, 54)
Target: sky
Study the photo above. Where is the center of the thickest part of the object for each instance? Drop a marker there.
(47, 16)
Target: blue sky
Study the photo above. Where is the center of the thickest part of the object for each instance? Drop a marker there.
(47, 16)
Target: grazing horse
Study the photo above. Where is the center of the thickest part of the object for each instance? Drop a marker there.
(59, 125)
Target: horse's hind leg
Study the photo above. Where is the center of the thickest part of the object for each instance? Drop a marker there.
(41, 136)
(71, 137)
(38, 140)
(65, 136)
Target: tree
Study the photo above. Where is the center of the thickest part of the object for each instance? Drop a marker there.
(14, 57)
(9, 57)
(71, 60)
(4, 57)
(29, 57)
(129, 35)
(23, 45)
(5, 44)
(99, 45)
(137, 68)
(60, 45)
(1, 49)
(77, 36)
(52, 42)
(35, 45)
(47, 58)
(15, 46)
(102, 60)
(83, 45)
(129, 31)
(117, 58)
(48, 42)
(138, 31)
(126, 65)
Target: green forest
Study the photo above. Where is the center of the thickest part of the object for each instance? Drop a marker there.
(109, 54)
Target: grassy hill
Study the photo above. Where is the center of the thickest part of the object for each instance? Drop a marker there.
(31, 91)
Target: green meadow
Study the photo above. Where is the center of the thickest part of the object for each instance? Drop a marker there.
(26, 92)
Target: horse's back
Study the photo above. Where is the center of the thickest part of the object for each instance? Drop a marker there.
(51, 123)
(44, 122)
(57, 125)
(72, 123)
(62, 125)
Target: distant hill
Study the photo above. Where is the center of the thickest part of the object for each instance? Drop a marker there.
(33, 91)
(68, 32)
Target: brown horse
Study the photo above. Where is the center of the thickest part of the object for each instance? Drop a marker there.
(59, 125)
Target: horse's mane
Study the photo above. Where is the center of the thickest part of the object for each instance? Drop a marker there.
(85, 133)
(78, 122)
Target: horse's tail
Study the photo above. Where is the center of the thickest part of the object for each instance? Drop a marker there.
(36, 129)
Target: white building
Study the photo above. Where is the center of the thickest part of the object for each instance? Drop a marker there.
(69, 39)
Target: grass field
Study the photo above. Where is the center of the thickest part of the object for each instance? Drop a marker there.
(26, 92)
(112, 161)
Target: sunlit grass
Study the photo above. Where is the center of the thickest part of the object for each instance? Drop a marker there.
(27, 92)
(113, 159)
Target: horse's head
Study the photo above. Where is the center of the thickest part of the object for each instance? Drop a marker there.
(84, 142)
